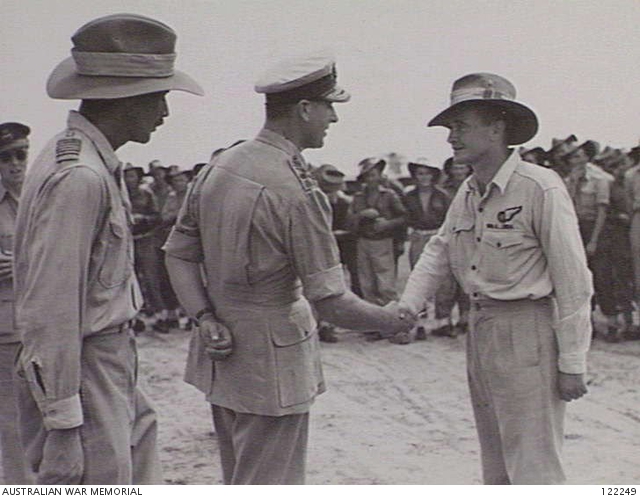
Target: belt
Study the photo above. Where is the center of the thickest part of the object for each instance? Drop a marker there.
(488, 303)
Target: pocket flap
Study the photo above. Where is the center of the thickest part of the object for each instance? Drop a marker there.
(117, 229)
(286, 333)
(463, 224)
(502, 240)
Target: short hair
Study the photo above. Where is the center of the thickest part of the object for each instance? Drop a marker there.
(278, 110)
(94, 106)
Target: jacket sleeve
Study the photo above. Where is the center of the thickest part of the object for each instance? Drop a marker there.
(64, 220)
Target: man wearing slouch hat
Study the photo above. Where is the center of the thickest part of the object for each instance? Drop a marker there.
(84, 420)
(511, 239)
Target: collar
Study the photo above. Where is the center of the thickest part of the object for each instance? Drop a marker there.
(78, 122)
(279, 142)
(502, 176)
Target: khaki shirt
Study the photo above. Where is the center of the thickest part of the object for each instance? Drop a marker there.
(73, 265)
(8, 211)
(518, 241)
(261, 227)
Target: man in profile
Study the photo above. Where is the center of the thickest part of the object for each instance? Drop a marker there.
(83, 418)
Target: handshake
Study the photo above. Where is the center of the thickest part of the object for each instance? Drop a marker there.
(398, 318)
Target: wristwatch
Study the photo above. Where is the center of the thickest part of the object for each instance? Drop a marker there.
(201, 313)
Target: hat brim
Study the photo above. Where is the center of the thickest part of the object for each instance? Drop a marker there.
(523, 122)
(337, 94)
(414, 166)
(65, 83)
(380, 165)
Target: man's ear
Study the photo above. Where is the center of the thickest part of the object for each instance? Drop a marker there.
(303, 109)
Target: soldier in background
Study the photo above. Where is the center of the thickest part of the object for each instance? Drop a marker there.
(331, 182)
(14, 151)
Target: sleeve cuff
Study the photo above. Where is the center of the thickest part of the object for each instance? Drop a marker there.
(62, 414)
(324, 284)
(572, 364)
(184, 247)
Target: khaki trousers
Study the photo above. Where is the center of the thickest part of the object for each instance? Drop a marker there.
(261, 450)
(120, 426)
(512, 371)
(14, 466)
(377, 270)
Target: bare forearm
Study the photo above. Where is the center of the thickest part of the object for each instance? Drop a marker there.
(186, 280)
(349, 311)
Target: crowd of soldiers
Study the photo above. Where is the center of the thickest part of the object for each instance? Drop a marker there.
(156, 197)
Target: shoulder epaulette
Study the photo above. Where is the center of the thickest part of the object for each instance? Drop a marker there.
(68, 148)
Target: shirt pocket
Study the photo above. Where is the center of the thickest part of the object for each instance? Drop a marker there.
(116, 265)
(499, 257)
(461, 243)
(297, 360)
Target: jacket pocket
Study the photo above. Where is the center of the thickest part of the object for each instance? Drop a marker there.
(297, 359)
(116, 265)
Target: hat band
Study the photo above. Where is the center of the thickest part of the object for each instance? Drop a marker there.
(123, 64)
(477, 93)
(314, 90)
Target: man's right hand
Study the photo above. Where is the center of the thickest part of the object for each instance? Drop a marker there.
(62, 458)
(400, 318)
(216, 337)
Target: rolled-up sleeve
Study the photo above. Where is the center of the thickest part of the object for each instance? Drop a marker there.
(184, 240)
(50, 310)
(571, 278)
(313, 247)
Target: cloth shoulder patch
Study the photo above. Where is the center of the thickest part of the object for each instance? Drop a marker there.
(68, 148)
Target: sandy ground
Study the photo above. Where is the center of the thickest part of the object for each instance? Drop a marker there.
(400, 414)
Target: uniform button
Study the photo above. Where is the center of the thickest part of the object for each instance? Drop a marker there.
(480, 210)
(478, 239)
(475, 295)
(498, 244)
(473, 267)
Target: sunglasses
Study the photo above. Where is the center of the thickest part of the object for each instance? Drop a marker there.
(7, 156)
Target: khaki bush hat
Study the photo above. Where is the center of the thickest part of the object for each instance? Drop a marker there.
(119, 56)
(422, 162)
(497, 91)
(368, 164)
